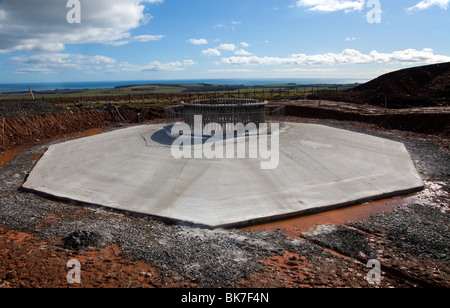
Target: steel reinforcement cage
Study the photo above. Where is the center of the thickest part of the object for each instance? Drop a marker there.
(225, 112)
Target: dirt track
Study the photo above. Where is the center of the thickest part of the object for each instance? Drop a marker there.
(38, 236)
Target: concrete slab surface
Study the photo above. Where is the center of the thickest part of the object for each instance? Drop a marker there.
(133, 170)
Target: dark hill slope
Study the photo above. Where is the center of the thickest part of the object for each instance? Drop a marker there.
(413, 87)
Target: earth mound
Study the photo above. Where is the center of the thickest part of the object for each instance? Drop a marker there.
(422, 86)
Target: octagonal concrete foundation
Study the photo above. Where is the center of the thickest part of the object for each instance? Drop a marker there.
(133, 169)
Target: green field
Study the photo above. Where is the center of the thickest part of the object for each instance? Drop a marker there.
(172, 93)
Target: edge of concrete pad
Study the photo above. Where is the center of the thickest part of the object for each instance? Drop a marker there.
(323, 209)
(238, 224)
(108, 209)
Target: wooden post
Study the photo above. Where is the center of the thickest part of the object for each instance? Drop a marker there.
(31, 92)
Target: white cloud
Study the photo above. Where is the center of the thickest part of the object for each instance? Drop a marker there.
(157, 66)
(189, 62)
(305, 70)
(154, 66)
(409, 56)
(42, 25)
(198, 41)
(332, 5)
(242, 52)
(348, 56)
(245, 45)
(139, 38)
(216, 51)
(426, 4)
(52, 63)
(211, 52)
(227, 47)
(349, 39)
(148, 38)
(237, 70)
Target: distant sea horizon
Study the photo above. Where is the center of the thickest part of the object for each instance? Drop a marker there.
(52, 86)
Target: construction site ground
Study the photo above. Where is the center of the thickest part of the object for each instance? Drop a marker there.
(408, 236)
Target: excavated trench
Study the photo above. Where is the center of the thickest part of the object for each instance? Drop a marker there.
(28, 128)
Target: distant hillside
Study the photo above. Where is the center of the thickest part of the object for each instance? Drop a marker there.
(414, 87)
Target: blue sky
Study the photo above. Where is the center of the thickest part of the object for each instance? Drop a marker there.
(212, 39)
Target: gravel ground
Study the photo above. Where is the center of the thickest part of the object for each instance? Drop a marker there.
(411, 242)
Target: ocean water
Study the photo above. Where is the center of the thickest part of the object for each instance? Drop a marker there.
(22, 87)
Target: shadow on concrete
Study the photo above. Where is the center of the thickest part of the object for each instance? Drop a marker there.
(163, 136)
